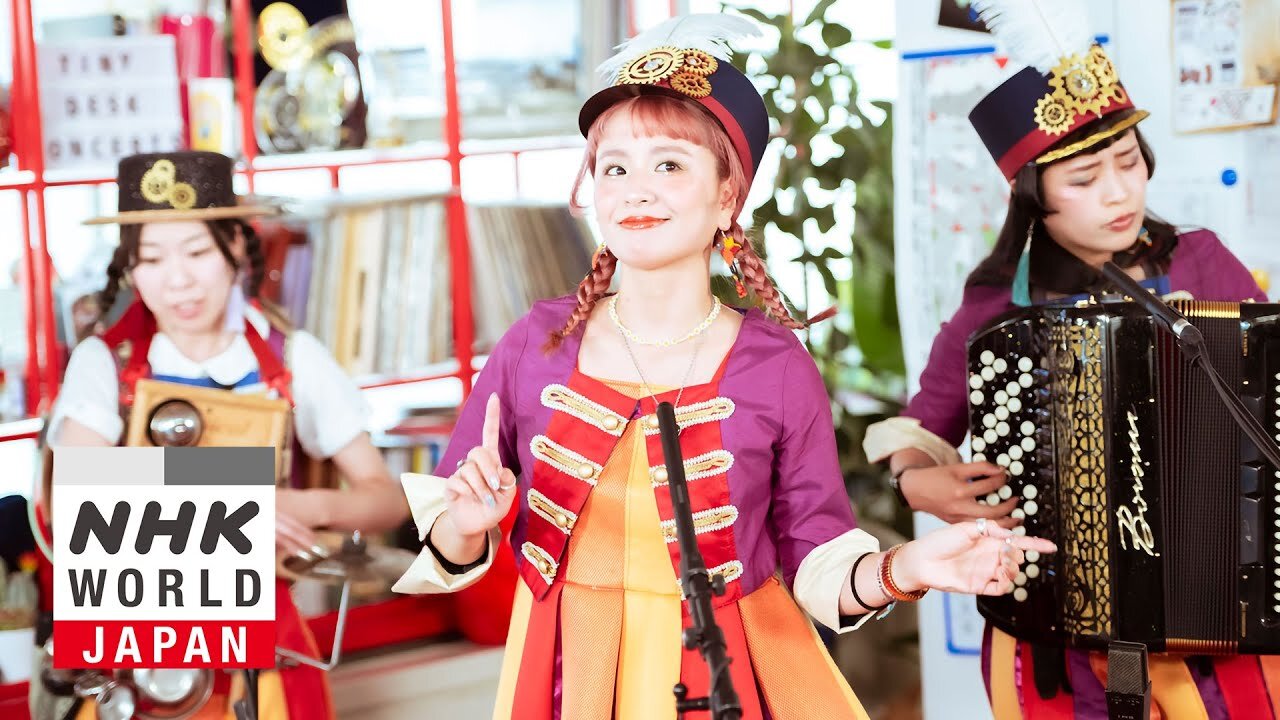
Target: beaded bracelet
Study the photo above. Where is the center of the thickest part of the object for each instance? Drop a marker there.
(887, 585)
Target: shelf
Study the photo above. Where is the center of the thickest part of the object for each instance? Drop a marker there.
(332, 160)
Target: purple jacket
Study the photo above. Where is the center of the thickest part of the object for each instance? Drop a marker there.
(1200, 265)
(773, 483)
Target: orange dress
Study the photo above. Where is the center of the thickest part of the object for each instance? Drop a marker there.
(621, 617)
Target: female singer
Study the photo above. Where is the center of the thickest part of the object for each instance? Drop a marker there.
(562, 421)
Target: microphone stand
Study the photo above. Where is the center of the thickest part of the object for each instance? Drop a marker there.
(698, 587)
(1191, 343)
(1129, 690)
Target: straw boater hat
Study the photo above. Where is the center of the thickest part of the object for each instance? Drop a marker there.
(176, 186)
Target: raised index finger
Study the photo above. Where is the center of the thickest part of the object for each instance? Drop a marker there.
(492, 423)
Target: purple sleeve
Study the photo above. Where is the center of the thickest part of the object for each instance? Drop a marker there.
(941, 405)
(810, 505)
(1209, 271)
(497, 376)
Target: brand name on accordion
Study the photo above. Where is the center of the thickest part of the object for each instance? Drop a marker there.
(1135, 520)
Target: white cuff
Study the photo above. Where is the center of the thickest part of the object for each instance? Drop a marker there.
(425, 576)
(823, 574)
(899, 433)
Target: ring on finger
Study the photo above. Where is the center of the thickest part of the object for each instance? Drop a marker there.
(982, 526)
(505, 488)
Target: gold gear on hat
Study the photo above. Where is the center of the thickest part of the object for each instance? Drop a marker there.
(163, 168)
(653, 67)
(695, 86)
(1078, 86)
(1102, 67)
(698, 62)
(1052, 115)
(156, 184)
(281, 31)
(182, 196)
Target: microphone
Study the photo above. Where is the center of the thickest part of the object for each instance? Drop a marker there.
(1182, 329)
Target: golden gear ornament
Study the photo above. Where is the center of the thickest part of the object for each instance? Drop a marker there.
(698, 62)
(653, 67)
(158, 186)
(1052, 115)
(1102, 67)
(695, 86)
(182, 196)
(156, 182)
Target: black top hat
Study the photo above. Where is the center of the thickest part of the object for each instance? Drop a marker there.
(687, 57)
(175, 186)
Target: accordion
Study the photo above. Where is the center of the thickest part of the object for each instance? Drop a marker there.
(1166, 517)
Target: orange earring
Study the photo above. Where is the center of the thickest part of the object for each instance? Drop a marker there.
(729, 249)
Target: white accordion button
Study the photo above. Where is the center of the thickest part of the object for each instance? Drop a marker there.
(1029, 492)
(979, 457)
(978, 444)
(975, 381)
(976, 398)
(1033, 556)
(1013, 388)
(1002, 460)
(993, 499)
(1017, 514)
(1005, 492)
(1025, 364)
(1021, 579)
(1002, 413)
(1028, 428)
(1025, 380)
(1020, 530)
(1015, 404)
(990, 436)
(987, 357)
(988, 374)
(1016, 468)
(1002, 429)
(1015, 452)
(1002, 397)
(1020, 594)
(1031, 507)
(1033, 571)
(1028, 444)
(989, 420)
(1000, 365)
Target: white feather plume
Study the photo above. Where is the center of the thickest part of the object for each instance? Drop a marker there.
(708, 32)
(1038, 33)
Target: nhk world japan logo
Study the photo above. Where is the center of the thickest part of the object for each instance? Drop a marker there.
(164, 557)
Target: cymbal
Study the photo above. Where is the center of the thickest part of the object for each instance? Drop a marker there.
(337, 558)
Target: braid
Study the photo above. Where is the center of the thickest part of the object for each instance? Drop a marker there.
(590, 290)
(257, 260)
(756, 276)
(121, 261)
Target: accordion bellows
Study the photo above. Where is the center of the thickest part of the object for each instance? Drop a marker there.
(1166, 517)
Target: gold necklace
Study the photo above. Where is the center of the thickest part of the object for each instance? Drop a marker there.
(643, 381)
(665, 342)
